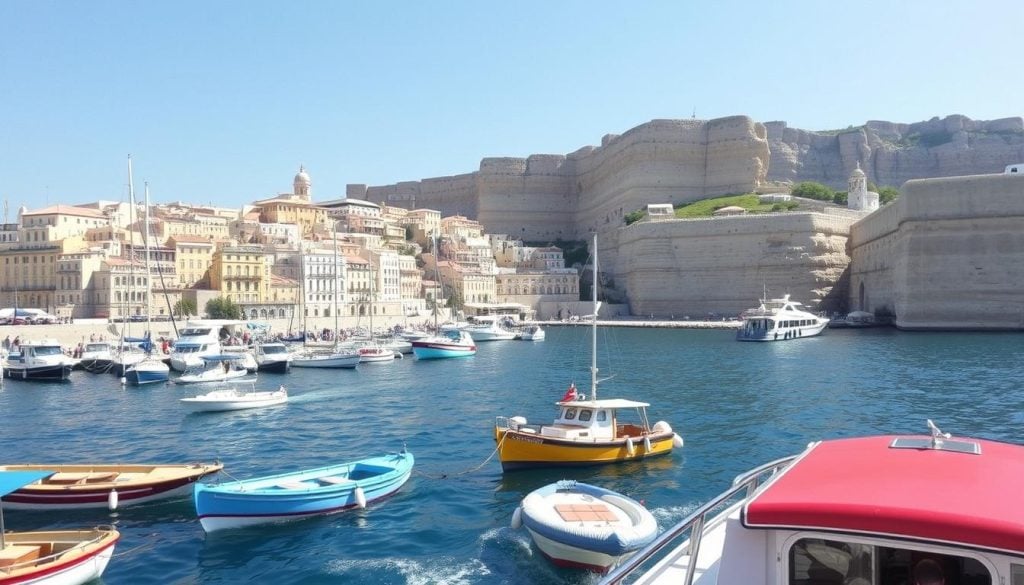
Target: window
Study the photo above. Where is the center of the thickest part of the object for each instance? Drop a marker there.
(585, 415)
(816, 561)
(570, 413)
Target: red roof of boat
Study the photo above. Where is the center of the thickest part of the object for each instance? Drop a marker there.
(865, 486)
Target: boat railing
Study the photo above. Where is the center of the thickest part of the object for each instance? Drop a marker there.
(693, 525)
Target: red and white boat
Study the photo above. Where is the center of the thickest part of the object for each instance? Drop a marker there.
(62, 557)
(64, 487)
(866, 511)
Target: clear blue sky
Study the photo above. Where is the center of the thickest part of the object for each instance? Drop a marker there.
(221, 101)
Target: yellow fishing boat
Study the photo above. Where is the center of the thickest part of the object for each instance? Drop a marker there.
(586, 431)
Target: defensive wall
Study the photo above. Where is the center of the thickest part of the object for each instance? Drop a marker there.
(948, 254)
(692, 267)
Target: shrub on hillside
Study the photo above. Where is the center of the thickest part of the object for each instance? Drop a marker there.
(813, 190)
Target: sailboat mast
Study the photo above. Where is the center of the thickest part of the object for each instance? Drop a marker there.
(149, 287)
(131, 259)
(334, 237)
(593, 328)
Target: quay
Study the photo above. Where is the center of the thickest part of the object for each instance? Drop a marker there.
(646, 324)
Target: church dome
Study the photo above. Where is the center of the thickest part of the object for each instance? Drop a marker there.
(302, 177)
(857, 173)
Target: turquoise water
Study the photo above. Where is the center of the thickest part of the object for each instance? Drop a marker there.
(736, 405)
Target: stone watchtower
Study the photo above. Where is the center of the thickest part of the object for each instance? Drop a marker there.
(302, 184)
(858, 197)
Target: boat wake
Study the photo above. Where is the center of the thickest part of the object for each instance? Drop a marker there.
(446, 570)
(671, 515)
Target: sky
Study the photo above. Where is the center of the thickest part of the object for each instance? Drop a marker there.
(220, 102)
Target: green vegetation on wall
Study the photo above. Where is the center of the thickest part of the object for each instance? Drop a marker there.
(813, 190)
(707, 207)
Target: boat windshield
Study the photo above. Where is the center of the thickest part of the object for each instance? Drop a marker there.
(186, 348)
(97, 347)
(267, 349)
(48, 350)
(194, 332)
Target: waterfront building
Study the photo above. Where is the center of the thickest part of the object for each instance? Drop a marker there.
(194, 257)
(241, 273)
(294, 208)
(57, 222)
(324, 275)
(410, 285)
(76, 283)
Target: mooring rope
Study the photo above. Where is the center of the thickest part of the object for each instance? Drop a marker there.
(465, 471)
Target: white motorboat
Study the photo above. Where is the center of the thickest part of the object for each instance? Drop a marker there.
(778, 320)
(150, 370)
(396, 345)
(488, 328)
(195, 340)
(235, 399)
(328, 359)
(96, 356)
(374, 353)
(38, 360)
(215, 368)
(245, 355)
(853, 511)
(532, 333)
(581, 526)
(273, 357)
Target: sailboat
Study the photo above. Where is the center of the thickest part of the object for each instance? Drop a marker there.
(151, 370)
(446, 344)
(373, 352)
(336, 357)
(129, 350)
(587, 431)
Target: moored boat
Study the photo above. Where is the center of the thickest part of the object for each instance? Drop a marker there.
(488, 328)
(151, 370)
(856, 511)
(235, 399)
(301, 494)
(582, 526)
(215, 368)
(448, 344)
(533, 333)
(91, 486)
(38, 360)
(336, 359)
(59, 557)
(373, 353)
(96, 356)
(272, 357)
(586, 431)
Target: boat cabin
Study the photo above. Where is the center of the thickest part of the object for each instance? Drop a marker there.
(33, 350)
(595, 420)
(884, 510)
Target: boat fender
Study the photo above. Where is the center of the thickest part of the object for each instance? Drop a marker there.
(124, 380)
(112, 500)
(517, 421)
(662, 427)
(517, 518)
(677, 441)
(360, 497)
(647, 444)
(629, 446)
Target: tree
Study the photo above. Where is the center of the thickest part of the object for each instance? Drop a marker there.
(634, 216)
(813, 190)
(887, 194)
(223, 308)
(840, 198)
(455, 300)
(184, 308)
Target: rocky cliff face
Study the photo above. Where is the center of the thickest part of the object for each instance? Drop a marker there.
(892, 153)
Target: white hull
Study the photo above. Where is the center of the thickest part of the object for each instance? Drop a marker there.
(565, 555)
(327, 361)
(212, 403)
(208, 377)
(84, 571)
(490, 334)
(181, 362)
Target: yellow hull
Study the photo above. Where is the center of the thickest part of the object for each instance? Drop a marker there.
(518, 450)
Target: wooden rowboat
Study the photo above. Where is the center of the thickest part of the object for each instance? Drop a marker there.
(103, 486)
(64, 557)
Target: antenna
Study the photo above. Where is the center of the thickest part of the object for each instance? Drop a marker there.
(694, 115)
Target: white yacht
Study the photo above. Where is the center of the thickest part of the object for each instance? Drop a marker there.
(273, 357)
(96, 356)
(488, 328)
(778, 320)
(38, 360)
(195, 340)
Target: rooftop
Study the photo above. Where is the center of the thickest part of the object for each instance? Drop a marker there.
(67, 210)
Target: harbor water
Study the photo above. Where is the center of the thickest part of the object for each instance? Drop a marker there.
(735, 404)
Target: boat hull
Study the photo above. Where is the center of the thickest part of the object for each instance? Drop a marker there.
(56, 372)
(571, 557)
(211, 377)
(73, 497)
(264, 399)
(294, 496)
(274, 366)
(744, 334)
(425, 350)
(346, 361)
(518, 450)
(148, 373)
(80, 564)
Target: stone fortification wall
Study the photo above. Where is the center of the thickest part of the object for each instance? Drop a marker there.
(721, 265)
(948, 255)
(546, 197)
(892, 153)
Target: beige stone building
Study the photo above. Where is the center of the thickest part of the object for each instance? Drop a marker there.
(424, 223)
(76, 286)
(58, 222)
(459, 227)
(295, 208)
(468, 285)
(194, 258)
(29, 272)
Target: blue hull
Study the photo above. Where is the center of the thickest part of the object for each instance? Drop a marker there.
(292, 496)
(140, 378)
(430, 353)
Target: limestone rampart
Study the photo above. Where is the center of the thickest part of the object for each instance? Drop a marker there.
(948, 255)
(722, 265)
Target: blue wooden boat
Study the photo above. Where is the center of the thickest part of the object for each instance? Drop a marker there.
(296, 495)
